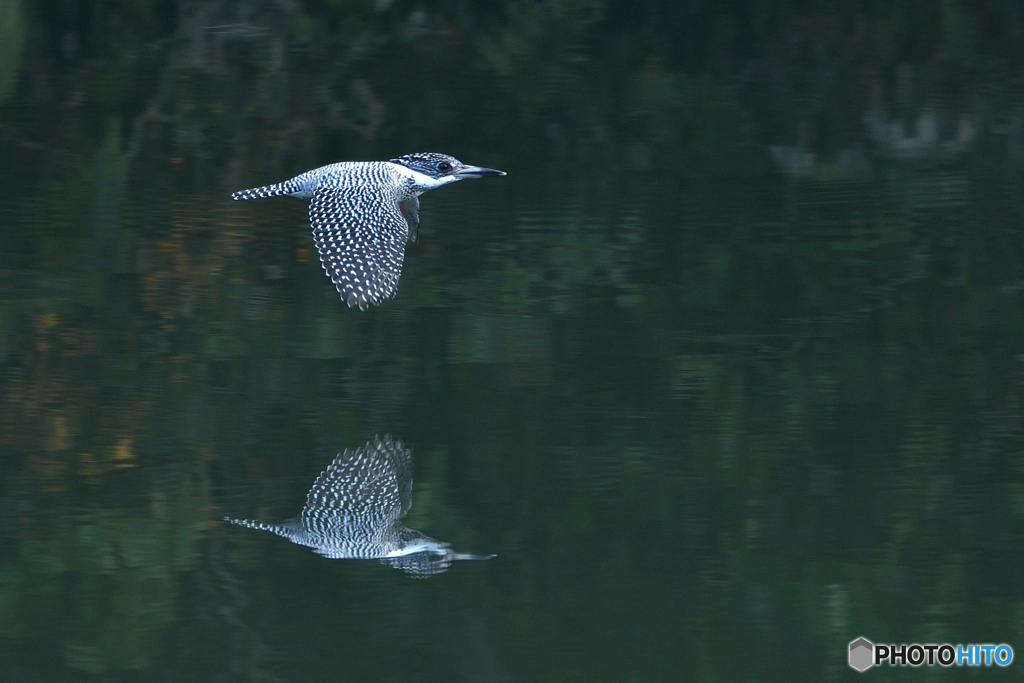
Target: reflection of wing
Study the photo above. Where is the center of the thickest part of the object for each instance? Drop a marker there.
(402, 459)
(421, 565)
(361, 235)
(359, 493)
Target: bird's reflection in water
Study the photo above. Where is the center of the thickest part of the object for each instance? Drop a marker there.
(355, 508)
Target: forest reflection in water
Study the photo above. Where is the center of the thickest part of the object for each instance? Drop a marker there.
(728, 367)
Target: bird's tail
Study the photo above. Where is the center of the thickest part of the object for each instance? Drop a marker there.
(274, 190)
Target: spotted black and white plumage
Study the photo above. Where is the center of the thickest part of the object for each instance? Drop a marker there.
(364, 212)
(354, 511)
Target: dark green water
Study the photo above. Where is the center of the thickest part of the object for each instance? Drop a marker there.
(727, 371)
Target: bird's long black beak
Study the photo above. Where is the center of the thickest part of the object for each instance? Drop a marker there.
(477, 172)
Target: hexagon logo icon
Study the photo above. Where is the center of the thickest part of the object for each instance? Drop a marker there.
(862, 653)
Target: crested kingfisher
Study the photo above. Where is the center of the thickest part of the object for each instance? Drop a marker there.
(364, 212)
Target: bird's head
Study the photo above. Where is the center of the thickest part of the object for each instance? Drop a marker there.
(442, 167)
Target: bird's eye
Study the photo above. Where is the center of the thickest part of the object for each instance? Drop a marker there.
(444, 167)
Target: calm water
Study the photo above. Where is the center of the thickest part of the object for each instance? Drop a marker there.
(727, 371)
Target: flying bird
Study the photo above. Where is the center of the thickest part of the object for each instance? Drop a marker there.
(364, 212)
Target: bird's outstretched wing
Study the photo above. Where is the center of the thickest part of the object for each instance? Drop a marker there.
(360, 491)
(361, 236)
